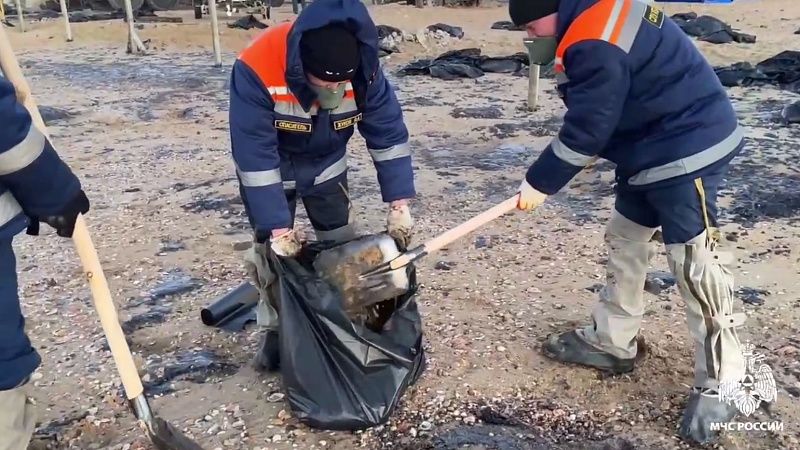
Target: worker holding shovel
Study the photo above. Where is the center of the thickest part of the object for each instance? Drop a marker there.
(638, 93)
(297, 94)
(35, 185)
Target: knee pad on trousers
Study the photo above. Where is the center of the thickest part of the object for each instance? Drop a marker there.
(622, 227)
(706, 284)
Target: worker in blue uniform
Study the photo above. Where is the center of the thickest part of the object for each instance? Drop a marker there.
(638, 93)
(35, 185)
(297, 94)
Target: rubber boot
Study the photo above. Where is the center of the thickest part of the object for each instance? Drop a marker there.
(703, 409)
(268, 358)
(570, 348)
(17, 418)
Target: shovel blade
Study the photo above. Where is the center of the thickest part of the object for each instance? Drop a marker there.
(342, 266)
(166, 437)
(161, 433)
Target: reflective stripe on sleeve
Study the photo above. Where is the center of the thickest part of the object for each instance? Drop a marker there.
(393, 152)
(259, 178)
(569, 155)
(9, 208)
(23, 154)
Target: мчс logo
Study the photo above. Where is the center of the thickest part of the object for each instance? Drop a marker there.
(756, 386)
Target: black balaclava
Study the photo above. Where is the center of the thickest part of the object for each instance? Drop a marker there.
(524, 11)
(330, 53)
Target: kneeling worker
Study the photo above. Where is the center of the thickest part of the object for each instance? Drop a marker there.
(638, 93)
(297, 93)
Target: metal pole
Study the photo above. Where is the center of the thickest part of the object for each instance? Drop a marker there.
(21, 18)
(533, 86)
(212, 10)
(65, 13)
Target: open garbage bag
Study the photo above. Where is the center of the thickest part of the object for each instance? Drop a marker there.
(337, 374)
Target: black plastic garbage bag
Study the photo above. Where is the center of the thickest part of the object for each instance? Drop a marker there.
(339, 375)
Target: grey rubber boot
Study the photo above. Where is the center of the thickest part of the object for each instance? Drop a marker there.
(703, 409)
(570, 348)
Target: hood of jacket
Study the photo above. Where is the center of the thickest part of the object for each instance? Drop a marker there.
(353, 15)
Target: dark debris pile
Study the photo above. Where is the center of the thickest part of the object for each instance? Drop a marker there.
(466, 63)
(781, 70)
(515, 422)
(710, 29)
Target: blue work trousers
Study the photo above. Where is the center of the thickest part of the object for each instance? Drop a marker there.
(18, 359)
(676, 208)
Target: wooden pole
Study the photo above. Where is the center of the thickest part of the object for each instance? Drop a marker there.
(21, 17)
(10, 68)
(65, 13)
(533, 86)
(135, 44)
(212, 10)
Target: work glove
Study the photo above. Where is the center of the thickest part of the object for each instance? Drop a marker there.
(285, 243)
(399, 223)
(64, 221)
(529, 198)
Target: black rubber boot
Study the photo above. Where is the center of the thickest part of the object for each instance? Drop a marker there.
(268, 357)
(703, 409)
(570, 348)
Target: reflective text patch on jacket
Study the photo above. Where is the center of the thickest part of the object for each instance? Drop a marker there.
(33, 179)
(638, 93)
(282, 140)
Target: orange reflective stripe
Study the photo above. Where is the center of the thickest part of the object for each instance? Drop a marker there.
(590, 24)
(266, 56)
(614, 21)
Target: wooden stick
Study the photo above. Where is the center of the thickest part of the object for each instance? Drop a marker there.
(65, 13)
(21, 17)
(101, 294)
(135, 44)
(212, 10)
(12, 72)
(471, 225)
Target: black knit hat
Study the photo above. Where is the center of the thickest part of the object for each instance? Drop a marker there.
(524, 11)
(330, 53)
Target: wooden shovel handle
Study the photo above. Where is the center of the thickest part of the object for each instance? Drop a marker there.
(471, 225)
(101, 294)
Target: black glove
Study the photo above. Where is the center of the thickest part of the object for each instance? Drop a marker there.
(63, 222)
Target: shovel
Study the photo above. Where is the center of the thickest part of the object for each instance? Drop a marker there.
(163, 435)
(382, 274)
(371, 269)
